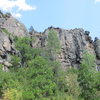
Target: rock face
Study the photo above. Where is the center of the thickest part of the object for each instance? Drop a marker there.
(73, 42)
(97, 47)
(9, 27)
(97, 50)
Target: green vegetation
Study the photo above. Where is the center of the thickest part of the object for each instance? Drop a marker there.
(6, 31)
(36, 74)
(89, 78)
(53, 45)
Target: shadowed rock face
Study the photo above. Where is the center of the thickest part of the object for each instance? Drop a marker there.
(73, 42)
(97, 47)
(97, 50)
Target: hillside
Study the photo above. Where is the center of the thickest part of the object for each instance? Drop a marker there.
(73, 42)
(57, 64)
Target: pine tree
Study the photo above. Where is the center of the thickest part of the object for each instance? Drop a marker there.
(53, 45)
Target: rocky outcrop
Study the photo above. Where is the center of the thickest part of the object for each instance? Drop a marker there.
(97, 47)
(13, 26)
(9, 27)
(97, 51)
(73, 42)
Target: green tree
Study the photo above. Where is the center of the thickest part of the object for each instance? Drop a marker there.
(23, 46)
(73, 85)
(53, 45)
(8, 82)
(88, 77)
(42, 79)
(15, 61)
(4, 76)
(27, 53)
(37, 79)
(68, 83)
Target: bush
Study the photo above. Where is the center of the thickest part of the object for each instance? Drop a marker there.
(12, 94)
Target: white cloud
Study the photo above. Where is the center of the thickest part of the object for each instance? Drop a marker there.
(23, 6)
(20, 5)
(97, 1)
(18, 15)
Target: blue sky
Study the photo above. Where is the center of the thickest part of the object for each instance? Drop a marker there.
(67, 14)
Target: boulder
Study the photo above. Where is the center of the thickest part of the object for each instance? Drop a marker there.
(7, 44)
(7, 64)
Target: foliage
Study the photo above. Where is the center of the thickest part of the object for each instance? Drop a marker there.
(42, 76)
(4, 76)
(73, 85)
(68, 83)
(63, 96)
(15, 61)
(36, 74)
(26, 52)
(88, 77)
(53, 45)
(12, 94)
(36, 80)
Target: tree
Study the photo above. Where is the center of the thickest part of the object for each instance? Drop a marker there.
(53, 45)
(73, 85)
(9, 86)
(88, 77)
(15, 61)
(42, 79)
(23, 46)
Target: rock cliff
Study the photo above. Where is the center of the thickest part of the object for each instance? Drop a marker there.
(73, 42)
(9, 27)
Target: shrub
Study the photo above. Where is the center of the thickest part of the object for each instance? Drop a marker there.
(12, 94)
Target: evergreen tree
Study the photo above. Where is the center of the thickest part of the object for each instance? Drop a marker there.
(88, 77)
(53, 45)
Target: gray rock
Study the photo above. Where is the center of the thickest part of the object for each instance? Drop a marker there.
(5, 69)
(98, 64)
(1, 61)
(97, 47)
(9, 27)
(6, 44)
(73, 43)
(2, 20)
(7, 64)
(97, 51)
(15, 27)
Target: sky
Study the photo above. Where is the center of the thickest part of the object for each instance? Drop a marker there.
(66, 14)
